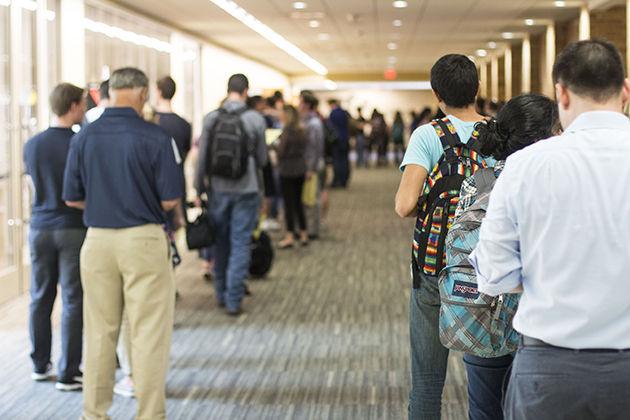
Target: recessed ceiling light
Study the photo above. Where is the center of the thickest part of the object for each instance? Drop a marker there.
(529, 22)
(299, 5)
(560, 3)
(392, 46)
(314, 24)
(397, 23)
(399, 4)
(323, 37)
(481, 53)
(507, 35)
(492, 45)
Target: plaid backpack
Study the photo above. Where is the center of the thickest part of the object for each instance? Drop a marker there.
(438, 202)
(470, 321)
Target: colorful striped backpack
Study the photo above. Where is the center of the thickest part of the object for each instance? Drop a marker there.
(440, 195)
(470, 321)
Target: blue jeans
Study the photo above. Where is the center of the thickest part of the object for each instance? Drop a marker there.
(486, 380)
(361, 149)
(235, 216)
(428, 356)
(55, 259)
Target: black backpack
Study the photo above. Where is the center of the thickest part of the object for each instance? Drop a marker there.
(229, 146)
(261, 254)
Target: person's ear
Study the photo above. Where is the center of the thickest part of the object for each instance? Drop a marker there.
(562, 96)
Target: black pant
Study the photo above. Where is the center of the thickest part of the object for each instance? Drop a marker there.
(55, 260)
(292, 195)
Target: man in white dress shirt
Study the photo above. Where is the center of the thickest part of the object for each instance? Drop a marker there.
(558, 228)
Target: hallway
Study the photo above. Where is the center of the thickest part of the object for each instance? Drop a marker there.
(324, 337)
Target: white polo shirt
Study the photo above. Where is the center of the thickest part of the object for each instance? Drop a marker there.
(558, 223)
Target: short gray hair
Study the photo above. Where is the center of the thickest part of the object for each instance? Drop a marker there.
(128, 78)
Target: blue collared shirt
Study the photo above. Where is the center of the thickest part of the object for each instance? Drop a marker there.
(558, 223)
(122, 167)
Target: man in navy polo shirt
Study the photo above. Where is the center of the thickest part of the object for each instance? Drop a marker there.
(55, 239)
(124, 172)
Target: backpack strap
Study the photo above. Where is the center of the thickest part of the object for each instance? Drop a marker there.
(448, 135)
(484, 180)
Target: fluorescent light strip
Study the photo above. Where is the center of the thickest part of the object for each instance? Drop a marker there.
(278, 40)
(376, 85)
(127, 36)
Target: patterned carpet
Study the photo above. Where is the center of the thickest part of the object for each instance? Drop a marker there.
(324, 337)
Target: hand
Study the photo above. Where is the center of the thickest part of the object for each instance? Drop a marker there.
(198, 202)
(308, 175)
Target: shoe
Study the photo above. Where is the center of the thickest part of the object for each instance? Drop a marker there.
(286, 244)
(44, 375)
(234, 312)
(69, 385)
(125, 388)
(313, 236)
(78, 377)
(207, 277)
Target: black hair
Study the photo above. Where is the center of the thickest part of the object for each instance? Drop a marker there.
(238, 83)
(521, 122)
(103, 90)
(253, 101)
(166, 85)
(309, 99)
(455, 80)
(398, 116)
(592, 68)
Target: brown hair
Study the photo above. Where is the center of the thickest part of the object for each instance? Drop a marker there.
(291, 118)
(166, 86)
(63, 96)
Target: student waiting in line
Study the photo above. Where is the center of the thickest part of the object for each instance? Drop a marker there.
(291, 152)
(228, 176)
(124, 172)
(523, 121)
(56, 236)
(455, 83)
(557, 229)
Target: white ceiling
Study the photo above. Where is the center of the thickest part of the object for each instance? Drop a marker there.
(359, 29)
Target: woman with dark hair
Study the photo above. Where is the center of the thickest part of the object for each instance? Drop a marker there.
(291, 151)
(523, 121)
(398, 137)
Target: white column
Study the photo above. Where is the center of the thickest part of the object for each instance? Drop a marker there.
(628, 34)
(72, 41)
(494, 69)
(508, 73)
(526, 77)
(550, 57)
(483, 78)
(585, 23)
(43, 109)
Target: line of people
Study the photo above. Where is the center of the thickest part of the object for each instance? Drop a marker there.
(519, 257)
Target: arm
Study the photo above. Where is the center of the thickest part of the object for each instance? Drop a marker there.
(199, 181)
(73, 188)
(169, 205)
(261, 142)
(409, 190)
(76, 204)
(497, 257)
(168, 179)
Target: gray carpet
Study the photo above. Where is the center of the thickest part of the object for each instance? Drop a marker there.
(324, 337)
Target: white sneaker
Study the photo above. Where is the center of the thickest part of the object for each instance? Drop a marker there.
(42, 376)
(125, 388)
(271, 225)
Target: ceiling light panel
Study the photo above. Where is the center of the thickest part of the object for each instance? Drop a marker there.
(399, 4)
(266, 32)
(299, 5)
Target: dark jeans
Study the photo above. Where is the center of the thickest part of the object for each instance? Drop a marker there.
(235, 216)
(486, 380)
(55, 259)
(550, 383)
(428, 356)
(362, 159)
(341, 166)
(292, 196)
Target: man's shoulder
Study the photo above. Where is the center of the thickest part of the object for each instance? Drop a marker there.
(425, 132)
(537, 152)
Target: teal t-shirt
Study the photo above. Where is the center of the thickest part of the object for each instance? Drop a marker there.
(425, 148)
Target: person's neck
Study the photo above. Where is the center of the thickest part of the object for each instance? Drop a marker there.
(164, 105)
(467, 114)
(124, 103)
(65, 121)
(235, 97)
(103, 103)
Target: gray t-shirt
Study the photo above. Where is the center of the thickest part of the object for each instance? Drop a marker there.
(255, 127)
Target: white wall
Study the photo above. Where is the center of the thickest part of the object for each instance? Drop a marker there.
(219, 64)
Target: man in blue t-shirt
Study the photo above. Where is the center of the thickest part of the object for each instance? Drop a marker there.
(55, 239)
(455, 83)
(124, 172)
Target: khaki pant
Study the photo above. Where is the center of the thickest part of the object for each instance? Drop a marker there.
(128, 268)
